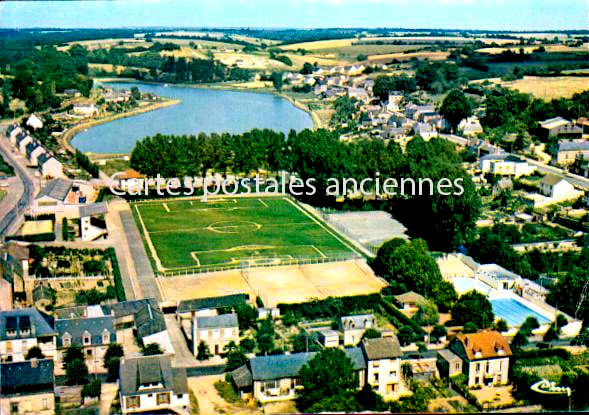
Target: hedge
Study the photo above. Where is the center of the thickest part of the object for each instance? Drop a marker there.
(539, 353)
(110, 254)
(39, 237)
(399, 319)
(331, 306)
(44, 216)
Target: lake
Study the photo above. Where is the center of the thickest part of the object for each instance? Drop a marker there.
(199, 110)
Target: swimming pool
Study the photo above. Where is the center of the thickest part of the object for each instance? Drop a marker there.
(462, 285)
(515, 312)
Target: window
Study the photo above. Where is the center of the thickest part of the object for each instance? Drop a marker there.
(393, 374)
(14, 407)
(8, 347)
(180, 396)
(150, 395)
(488, 368)
(105, 337)
(458, 366)
(89, 352)
(67, 341)
(132, 402)
(271, 384)
(478, 367)
(87, 339)
(376, 377)
(45, 403)
(376, 363)
(163, 398)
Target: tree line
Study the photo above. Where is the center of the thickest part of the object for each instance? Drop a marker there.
(445, 222)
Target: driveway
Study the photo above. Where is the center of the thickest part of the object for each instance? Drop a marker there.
(209, 401)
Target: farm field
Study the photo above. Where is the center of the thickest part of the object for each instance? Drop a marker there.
(226, 233)
(547, 87)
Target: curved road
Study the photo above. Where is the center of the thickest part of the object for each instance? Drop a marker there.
(28, 186)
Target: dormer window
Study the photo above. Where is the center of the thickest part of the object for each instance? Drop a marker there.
(105, 337)
(86, 338)
(67, 340)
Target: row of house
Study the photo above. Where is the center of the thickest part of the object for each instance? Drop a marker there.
(34, 151)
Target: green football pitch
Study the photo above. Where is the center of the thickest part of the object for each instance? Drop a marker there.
(225, 233)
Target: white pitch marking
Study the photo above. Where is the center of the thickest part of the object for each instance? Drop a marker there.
(165, 205)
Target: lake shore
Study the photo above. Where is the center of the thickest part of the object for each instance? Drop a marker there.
(231, 87)
(69, 134)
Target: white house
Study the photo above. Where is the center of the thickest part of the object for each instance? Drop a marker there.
(34, 122)
(383, 365)
(91, 226)
(150, 384)
(50, 166)
(151, 328)
(470, 126)
(557, 188)
(22, 329)
(215, 331)
(505, 164)
(23, 142)
(354, 327)
(485, 356)
(12, 132)
(86, 110)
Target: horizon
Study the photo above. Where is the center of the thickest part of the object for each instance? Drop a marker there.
(460, 15)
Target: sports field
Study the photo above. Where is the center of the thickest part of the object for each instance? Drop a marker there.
(225, 233)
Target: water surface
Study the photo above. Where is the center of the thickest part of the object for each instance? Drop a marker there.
(200, 110)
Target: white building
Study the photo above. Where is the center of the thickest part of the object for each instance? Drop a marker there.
(485, 356)
(151, 328)
(50, 166)
(86, 110)
(557, 188)
(354, 327)
(22, 329)
(470, 127)
(505, 165)
(215, 331)
(34, 122)
(383, 365)
(497, 277)
(91, 226)
(150, 383)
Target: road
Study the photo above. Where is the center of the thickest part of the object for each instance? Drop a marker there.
(25, 177)
(574, 179)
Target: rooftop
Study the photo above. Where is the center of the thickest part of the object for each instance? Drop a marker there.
(213, 322)
(410, 298)
(28, 320)
(30, 376)
(484, 345)
(76, 328)
(93, 209)
(56, 189)
(141, 371)
(382, 348)
(211, 302)
(149, 320)
(553, 122)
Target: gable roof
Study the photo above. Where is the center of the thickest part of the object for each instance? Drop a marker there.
(552, 179)
(128, 308)
(382, 348)
(25, 318)
(135, 372)
(448, 355)
(484, 345)
(214, 322)
(211, 302)
(242, 377)
(357, 321)
(57, 189)
(149, 320)
(573, 145)
(29, 376)
(553, 122)
(77, 327)
(93, 209)
(410, 297)
(288, 365)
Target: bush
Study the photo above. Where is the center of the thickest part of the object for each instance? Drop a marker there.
(92, 389)
(110, 255)
(331, 306)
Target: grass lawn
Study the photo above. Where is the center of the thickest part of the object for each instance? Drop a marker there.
(3, 194)
(225, 232)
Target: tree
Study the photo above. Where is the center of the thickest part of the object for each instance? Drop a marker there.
(92, 389)
(34, 353)
(304, 342)
(551, 333)
(74, 352)
(246, 315)
(369, 400)
(329, 373)
(76, 372)
(65, 232)
(135, 93)
(277, 80)
(439, 331)
(520, 339)
(427, 313)
(236, 358)
(113, 350)
(561, 321)
(203, 352)
(151, 349)
(501, 325)
(470, 327)
(406, 335)
(456, 107)
(248, 344)
(473, 307)
(371, 334)
(530, 323)
(265, 335)
(112, 366)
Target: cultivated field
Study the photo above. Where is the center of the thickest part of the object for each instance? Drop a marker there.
(547, 87)
(224, 233)
(275, 285)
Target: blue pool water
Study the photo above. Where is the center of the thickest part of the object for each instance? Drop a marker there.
(514, 312)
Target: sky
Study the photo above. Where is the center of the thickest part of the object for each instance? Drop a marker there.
(534, 15)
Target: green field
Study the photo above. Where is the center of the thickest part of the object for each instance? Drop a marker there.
(226, 232)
